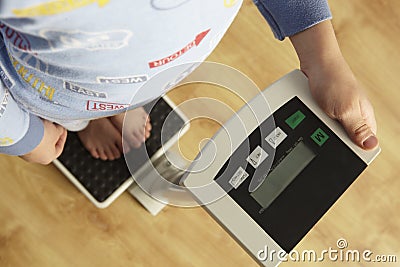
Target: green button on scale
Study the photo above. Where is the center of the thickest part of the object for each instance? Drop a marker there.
(295, 119)
(319, 137)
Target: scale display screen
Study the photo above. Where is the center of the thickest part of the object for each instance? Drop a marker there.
(301, 168)
(280, 177)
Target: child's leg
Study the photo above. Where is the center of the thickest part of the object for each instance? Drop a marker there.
(136, 125)
(103, 137)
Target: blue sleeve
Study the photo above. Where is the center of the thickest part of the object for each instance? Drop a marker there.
(288, 17)
(20, 131)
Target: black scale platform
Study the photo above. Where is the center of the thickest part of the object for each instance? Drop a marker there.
(102, 178)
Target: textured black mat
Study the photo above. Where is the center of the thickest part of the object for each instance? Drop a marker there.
(102, 178)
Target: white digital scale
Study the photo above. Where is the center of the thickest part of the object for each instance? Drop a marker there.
(102, 182)
(277, 170)
(277, 166)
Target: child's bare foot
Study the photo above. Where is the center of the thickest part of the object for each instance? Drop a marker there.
(102, 139)
(137, 127)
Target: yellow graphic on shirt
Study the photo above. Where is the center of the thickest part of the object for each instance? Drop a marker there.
(230, 3)
(35, 82)
(56, 7)
(4, 141)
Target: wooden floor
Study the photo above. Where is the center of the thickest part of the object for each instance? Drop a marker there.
(45, 221)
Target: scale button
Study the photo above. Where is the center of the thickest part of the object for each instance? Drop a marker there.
(257, 157)
(238, 178)
(319, 137)
(295, 119)
(276, 137)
